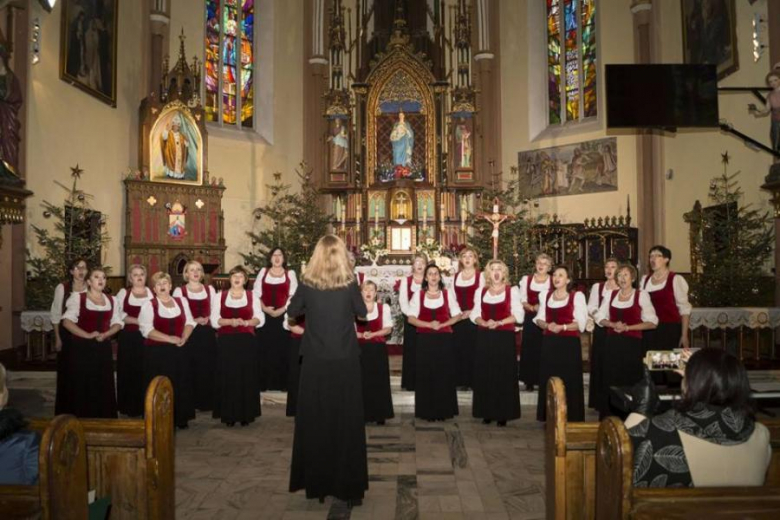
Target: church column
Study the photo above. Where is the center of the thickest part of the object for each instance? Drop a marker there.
(157, 34)
(316, 84)
(487, 80)
(773, 28)
(650, 182)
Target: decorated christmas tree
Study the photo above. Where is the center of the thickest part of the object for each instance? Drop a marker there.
(731, 244)
(78, 232)
(292, 221)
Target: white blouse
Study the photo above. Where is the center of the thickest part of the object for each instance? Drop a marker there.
(73, 308)
(387, 315)
(648, 311)
(536, 286)
(414, 305)
(462, 282)
(680, 287)
(593, 299)
(580, 309)
(233, 303)
(257, 290)
(146, 318)
(404, 297)
(178, 293)
(134, 300)
(516, 307)
(56, 305)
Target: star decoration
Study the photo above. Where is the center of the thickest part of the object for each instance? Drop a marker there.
(724, 158)
(76, 172)
(151, 200)
(200, 203)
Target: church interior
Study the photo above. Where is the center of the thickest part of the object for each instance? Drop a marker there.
(149, 136)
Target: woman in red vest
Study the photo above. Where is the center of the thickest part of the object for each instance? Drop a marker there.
(562, 316)
(468, 280)
(77, 270)
(296, 327)
(274, 286)
(202, 345)
(236, 314)
(130, 382)
(92, 317)
(624, 315)
(531, 350)
(375, 366)
(669, 294)
(166, 324)
(497, 309)
(434, 312)
(407, 291)
(598, 293)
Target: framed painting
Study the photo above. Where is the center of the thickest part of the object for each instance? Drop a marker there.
(88, 41)
(710, 34)
(176, 147)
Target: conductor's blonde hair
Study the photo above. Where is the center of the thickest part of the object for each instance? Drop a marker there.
(329, 266)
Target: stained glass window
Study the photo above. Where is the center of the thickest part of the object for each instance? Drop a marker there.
(230, 62)
(571, 60)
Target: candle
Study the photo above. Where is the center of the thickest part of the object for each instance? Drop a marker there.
(376, 215)
(343, 217)
(425, 213)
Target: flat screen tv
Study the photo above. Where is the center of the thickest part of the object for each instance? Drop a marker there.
(662, 96)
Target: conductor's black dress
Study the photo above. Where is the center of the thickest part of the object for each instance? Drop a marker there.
(329, 447)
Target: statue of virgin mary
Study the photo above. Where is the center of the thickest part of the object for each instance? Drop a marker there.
(402, 139)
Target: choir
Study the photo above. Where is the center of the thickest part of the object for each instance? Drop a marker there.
(221, 349)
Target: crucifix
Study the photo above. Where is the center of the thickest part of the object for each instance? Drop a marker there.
(496, 218)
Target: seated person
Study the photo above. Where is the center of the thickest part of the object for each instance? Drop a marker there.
(18, 447)
(709, 438)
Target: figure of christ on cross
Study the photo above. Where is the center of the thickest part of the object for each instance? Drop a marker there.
(496, 218)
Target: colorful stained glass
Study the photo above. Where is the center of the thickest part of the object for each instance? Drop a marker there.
(554, 61)
(247, 62)
(229, 52)
(211, 76)
(572, 65)
(590, 107)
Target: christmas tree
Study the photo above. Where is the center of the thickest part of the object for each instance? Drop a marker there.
(78, 232)
(292, 221)
(514, 246)
(731, 244)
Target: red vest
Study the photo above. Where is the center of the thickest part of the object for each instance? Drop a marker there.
(169, 326)
(95, 321)
(229, 313)
(301, 322)
(533, 296)
(441, 314)
(198, 308)
(131, 310)
(498, 311)
(464, 293)
(630, 315)
(561, 316)
(275, 295)
(372, 326)
(663, 301)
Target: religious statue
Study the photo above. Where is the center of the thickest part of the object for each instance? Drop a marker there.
(402, 139)
(773, 108)
(463, 140)
(496, 219)
(10, 103)
(174, 147)
(339, 147)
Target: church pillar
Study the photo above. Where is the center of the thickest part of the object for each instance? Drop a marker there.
(487, 81)
(773, 28)
(316, 84)
(650, 187)
(157, 33)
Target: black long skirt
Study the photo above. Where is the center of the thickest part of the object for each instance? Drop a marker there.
(562, 357)
(272, 341)
(496, 391)
(237, 399)
(202, 346)
(596, 351)
(170, 361)
(130, 388)
(435, 395)
(329, 447)
(293, 375)
(664, 337)
(409, 361)
(91, 378)
(63, 402)
(465, 337)
(530, 352)
(621, 365)
(375, 371)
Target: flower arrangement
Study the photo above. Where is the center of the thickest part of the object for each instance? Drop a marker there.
(436, 254)
(374, 249)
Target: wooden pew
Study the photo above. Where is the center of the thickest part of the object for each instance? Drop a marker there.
(617, 498)
(570, 460)
(62, 490)
(130, 460)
